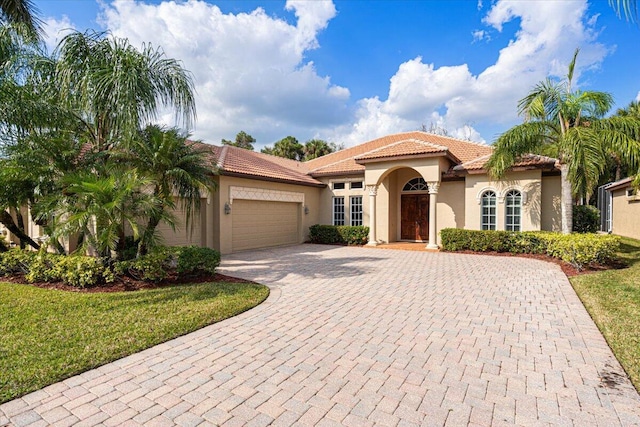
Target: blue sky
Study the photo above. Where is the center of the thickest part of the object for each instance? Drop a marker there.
(350, 71)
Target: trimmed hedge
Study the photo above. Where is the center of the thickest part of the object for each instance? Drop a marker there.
(580, 250)
(586, 219)
(339, 234)
(85, 271)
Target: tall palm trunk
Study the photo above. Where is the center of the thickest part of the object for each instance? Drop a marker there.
(7, 220)
(566, 200)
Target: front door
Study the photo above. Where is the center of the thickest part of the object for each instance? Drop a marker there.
(414, 224)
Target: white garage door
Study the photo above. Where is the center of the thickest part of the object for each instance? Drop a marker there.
(260, 224)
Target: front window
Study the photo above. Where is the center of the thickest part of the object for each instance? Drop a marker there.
(338, 211)
(338, 185)
(356, 210)
(488, 207)
(513, 205)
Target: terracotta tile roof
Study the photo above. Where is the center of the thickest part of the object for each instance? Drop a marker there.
(525, 161)
(236, 161)
(409, 147)
(458, 149)
(625, 182)
(343, 167)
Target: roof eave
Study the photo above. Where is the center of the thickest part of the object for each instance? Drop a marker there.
(338, 173)
(272, 179)
(409, 156)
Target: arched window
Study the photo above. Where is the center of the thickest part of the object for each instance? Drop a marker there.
(488, 209)
(513, 206)
(416, 184)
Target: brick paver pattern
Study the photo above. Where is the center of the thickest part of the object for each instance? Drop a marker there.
(358, 337)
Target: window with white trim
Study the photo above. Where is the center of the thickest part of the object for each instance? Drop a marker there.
(338, 211)
(488, 210)
(355, 204)
(513, 209)
(338, 185)
(356, 185)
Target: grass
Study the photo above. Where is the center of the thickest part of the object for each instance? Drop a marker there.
(613, 299)
(49, 335)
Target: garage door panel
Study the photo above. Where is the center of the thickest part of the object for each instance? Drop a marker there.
(261, 224)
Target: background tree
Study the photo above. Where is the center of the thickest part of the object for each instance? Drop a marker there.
(287, 147)
(243, 140)
(317, 148)
(573, 123)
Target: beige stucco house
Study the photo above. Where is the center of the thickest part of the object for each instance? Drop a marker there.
(621, 209)
(405, 187)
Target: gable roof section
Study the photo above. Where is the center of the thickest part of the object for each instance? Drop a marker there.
(234, 161)
(526, 161)
(405, 144)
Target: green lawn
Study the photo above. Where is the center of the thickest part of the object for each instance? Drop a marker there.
(613, 300)
(49, 335)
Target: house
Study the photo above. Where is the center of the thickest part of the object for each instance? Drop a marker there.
(619, 204)
(405, 187)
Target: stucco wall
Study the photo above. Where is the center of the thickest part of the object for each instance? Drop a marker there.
(451, 206)
(625, 213)
(527, 182)
(327, 194)
(551, 216)
(194, 234)
(222, 241)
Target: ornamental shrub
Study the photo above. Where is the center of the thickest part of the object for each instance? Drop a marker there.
(194, 260)
(586, 219)
(339, 234)
(152, 267)
(15, 261)
(157, 264)
(580, 250)
(82, 271)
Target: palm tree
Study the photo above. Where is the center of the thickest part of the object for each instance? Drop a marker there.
(100, 208)
(116, 90)
(628, 7)
(573, 122)
(21, 13)
(315, 148)
(176, 169)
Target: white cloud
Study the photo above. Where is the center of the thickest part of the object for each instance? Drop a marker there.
(456, 99)
(638, 97)
(479, 35)
(249, 68)
(56, 30)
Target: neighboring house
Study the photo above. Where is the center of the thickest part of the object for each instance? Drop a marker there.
(405, 187)
(619, 204)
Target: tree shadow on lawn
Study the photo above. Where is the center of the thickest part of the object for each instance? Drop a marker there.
(307, 260)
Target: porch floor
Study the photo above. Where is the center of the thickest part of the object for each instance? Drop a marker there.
(404, 246)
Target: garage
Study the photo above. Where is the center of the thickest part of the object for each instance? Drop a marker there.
(261, 224)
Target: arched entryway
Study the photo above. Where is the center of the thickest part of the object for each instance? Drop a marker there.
(414, 211)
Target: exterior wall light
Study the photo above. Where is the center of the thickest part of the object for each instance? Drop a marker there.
(306, 210)
(227, 209)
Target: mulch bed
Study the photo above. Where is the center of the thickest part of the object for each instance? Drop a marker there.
(127, 284)
(568, 269)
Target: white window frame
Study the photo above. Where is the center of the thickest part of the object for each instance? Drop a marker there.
(344, 185)
(359, 187)
(335, 212)
(355, 210)
(515, 225)
(483, 197)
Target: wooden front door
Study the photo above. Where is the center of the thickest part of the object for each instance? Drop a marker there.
(414, 224)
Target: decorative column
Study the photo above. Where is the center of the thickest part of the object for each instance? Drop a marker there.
(433, 200)
(373, 191)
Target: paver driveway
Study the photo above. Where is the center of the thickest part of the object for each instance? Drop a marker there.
(352, 336)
